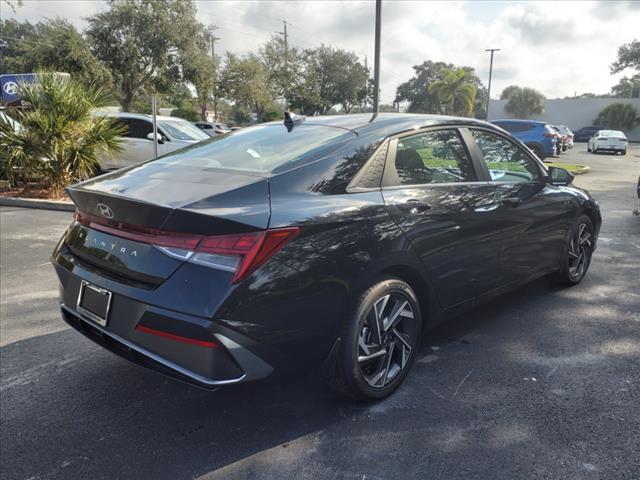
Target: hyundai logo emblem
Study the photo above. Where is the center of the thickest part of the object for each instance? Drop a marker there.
(105, 210)
(10, 88)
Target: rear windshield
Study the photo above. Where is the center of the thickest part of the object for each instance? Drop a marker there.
(263, 148)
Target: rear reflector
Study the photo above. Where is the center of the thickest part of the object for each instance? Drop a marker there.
(241, 254)
(177, 338)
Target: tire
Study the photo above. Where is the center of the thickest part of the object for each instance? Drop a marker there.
(588, 148)
(577, 257)
(538, 151)
(623, 152)
(363, 373)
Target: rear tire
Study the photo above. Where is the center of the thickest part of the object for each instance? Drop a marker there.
(577, 257)
(538, 151)
(380, 339)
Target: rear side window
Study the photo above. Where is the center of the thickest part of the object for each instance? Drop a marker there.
(431, 157)
(136, 128)
(263, 148)
(515, 127)
(506, 161)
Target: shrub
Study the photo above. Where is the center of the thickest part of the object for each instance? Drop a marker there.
(60, 139)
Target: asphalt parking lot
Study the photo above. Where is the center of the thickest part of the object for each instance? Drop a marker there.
(543, 383)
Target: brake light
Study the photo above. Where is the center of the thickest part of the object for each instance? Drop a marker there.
(550, 135)
(241, 254)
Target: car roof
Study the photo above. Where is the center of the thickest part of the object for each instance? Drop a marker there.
(514, 120)
(143, 116)
(366, 122)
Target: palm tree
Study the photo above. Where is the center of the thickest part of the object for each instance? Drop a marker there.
(60, 138)
(455, 89)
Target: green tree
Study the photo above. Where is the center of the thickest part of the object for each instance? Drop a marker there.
(524, 102)
(185, 113)
(627, 87)
(329, 77)
(628, 57)
(455, 91)
(506, 93)
(283, 65)
(51, 45)
(421, 100)
(61, 138)
(619, 116)
(200, 69)
(140, 40)
(244, 80)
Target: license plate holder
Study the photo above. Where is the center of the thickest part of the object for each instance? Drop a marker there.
(94, 302)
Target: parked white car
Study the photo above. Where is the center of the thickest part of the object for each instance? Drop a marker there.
(608, 141)
(137, 145)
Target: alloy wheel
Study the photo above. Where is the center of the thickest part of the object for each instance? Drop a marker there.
(386, 339)
(580, 250)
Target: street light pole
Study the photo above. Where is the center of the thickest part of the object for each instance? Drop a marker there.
(492, 50)
(376, 60)
(213, 39)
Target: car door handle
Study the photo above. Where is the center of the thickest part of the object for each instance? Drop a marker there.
(414, 206)
(512, 201)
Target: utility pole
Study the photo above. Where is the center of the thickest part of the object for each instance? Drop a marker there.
(213, 39)
(376, 62)
(286, 54)
(492, 50)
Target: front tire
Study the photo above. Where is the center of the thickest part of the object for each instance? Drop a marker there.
(577, 257)
(380, 339)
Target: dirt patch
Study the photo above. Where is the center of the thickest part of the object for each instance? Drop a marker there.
(34, 192)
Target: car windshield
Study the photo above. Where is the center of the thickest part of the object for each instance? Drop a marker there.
(610, 133)
(182, 130)
(263, 148)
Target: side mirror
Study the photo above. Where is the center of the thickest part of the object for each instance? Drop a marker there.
(559, 176)
(160, 138)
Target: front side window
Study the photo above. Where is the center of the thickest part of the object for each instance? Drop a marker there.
(505, 160)
(432, 157)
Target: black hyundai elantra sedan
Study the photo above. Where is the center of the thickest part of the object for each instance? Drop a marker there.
(326, 243)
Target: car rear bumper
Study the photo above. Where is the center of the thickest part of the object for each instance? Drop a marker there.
(192, 349)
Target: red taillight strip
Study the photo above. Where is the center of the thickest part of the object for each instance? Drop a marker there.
(177, 338)
(150, 236)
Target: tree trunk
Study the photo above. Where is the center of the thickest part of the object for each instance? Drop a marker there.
(125, 101)
(203, 111)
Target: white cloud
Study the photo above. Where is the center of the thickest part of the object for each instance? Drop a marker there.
(556, 47)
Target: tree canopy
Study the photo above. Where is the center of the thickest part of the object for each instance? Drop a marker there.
(619, 116)
(423, 99)
(523, 102)
(455, 91)
(139, 42)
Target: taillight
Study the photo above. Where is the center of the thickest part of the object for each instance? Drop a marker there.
(241, 254)
(550, 135)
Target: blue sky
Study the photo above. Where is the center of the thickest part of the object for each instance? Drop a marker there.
(558, 47)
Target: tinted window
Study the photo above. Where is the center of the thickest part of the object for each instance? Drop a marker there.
(433, 157)
(263, 148)
(136, 128)
(506, 161)
(515, 127)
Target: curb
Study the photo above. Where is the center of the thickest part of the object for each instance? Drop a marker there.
(37, 203)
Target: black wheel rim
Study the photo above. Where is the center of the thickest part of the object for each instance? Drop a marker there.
(386, 340)
(580, 251)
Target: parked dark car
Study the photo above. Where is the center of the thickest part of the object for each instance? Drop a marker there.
(538, 136)
(328, 244)
(585, 133)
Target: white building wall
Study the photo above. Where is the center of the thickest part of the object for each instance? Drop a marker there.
(575, 113)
